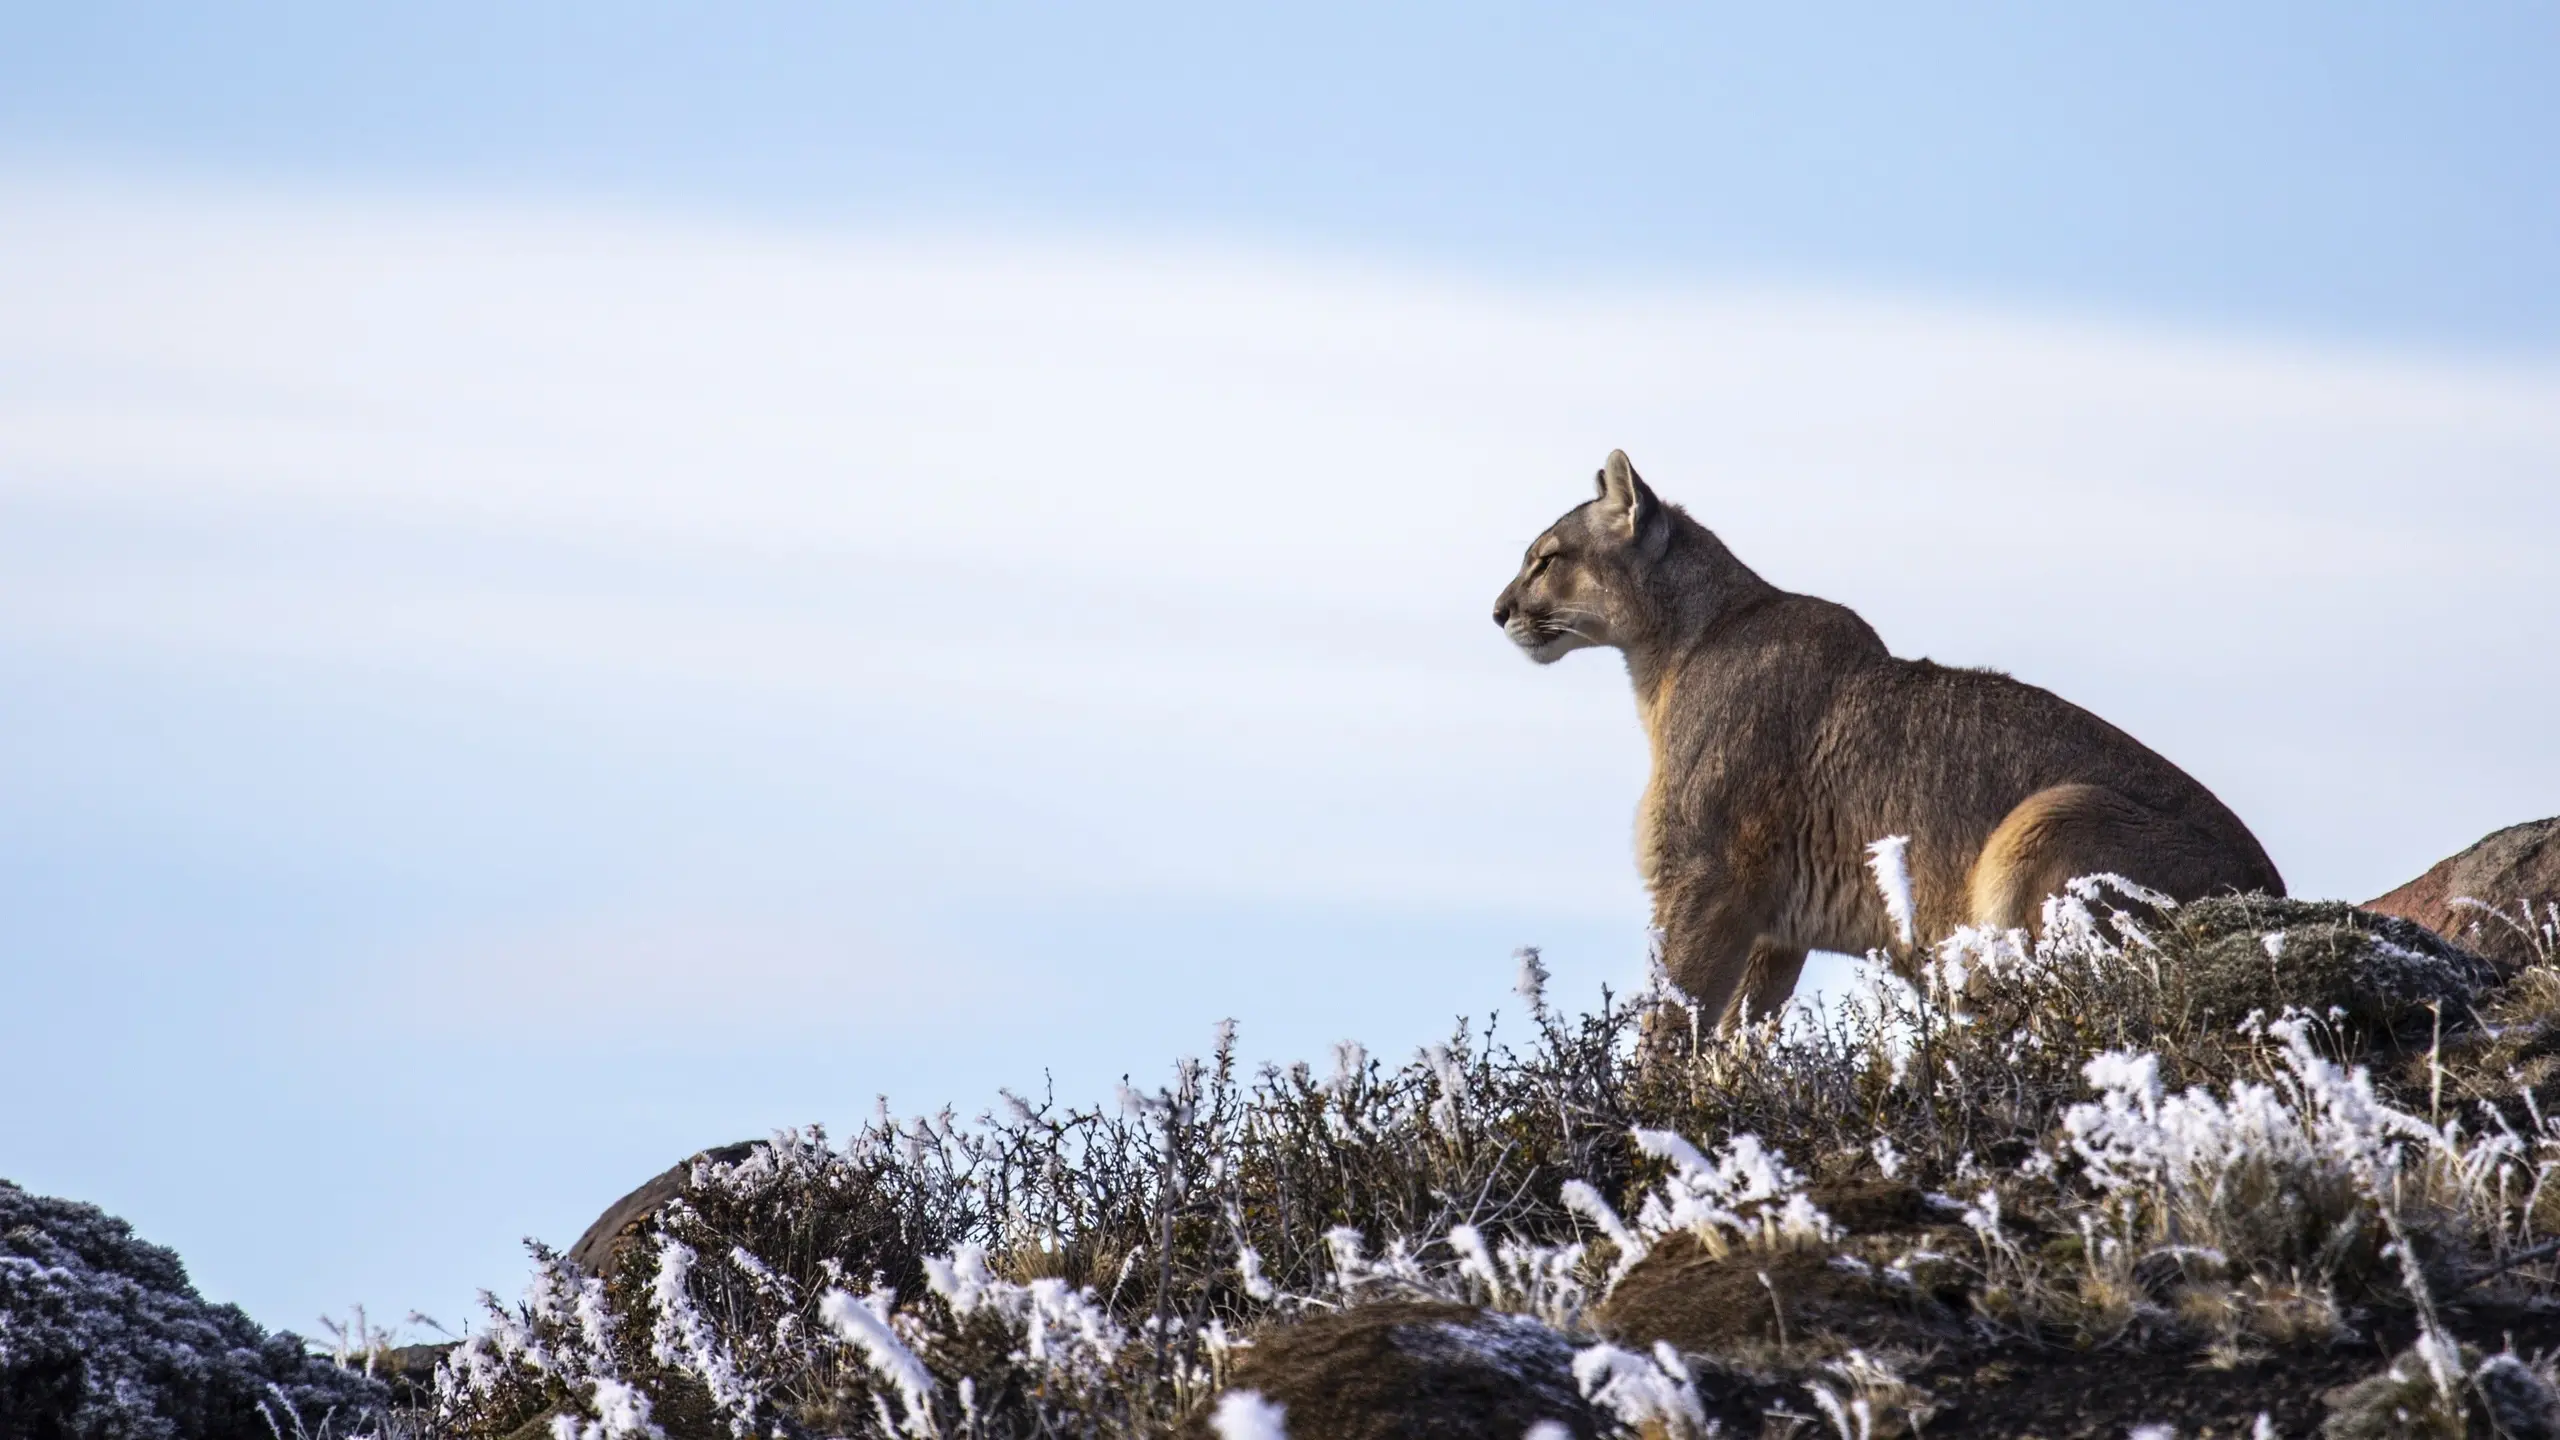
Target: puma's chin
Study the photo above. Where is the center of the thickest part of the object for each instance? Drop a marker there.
(1547, 649)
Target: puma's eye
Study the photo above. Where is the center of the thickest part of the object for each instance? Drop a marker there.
(1538, 565)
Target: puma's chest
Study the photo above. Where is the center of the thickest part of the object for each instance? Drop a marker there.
(1653, 826)
(1653, 810)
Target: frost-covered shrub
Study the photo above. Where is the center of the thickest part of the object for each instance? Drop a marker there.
(725, 1289)
(1866, 1399)
(1185, 1216)
(1655, 1393)
(2271, 1172)
(1747, 1196)
(2511, 1053)
(709, 1313)
(549, 1351)
(977, 1353)
(2238, 1214)
(103, 1338)
(2139, 1164)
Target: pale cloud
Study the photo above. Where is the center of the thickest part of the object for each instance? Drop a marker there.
(648, 974)
(1188, 552)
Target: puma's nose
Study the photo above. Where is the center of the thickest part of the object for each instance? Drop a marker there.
(1502, 612)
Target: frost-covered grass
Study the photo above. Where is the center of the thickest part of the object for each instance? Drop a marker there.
(2537, 930)
(2227, 1129)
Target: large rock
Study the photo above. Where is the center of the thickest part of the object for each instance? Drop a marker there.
(103, 1338)
(822, 1215)
(2514, 870)
(597, 1248)
(1415, 1371)
(410, 1371)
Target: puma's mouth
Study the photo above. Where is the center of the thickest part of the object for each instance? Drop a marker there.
(1545, 639)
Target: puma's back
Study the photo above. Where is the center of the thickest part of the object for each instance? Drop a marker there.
(1786, 739)
(1945, 755)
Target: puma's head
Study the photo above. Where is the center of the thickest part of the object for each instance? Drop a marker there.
(1582, 583)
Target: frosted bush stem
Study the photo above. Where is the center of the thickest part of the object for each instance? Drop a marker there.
(867, 1329)
(1886, 859)
(1245, 1415)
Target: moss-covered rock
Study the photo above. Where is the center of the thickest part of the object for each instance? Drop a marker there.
(2499, 1397)
(1791, 1307)
(2238, 954)
(1414, 1371)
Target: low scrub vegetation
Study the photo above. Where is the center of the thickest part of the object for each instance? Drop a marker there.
(102, 1335)
(2194, 1136)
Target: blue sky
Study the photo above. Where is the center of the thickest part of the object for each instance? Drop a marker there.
(2366, 170)
(579, 584)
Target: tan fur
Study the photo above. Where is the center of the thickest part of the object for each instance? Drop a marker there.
(1785, 738)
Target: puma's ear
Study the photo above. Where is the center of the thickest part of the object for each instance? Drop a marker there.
(1622, 490)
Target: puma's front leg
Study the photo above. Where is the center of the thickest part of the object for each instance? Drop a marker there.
(1771, 982)
(1709, 939)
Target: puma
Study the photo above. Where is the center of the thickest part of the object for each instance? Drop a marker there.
(1786, 738)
